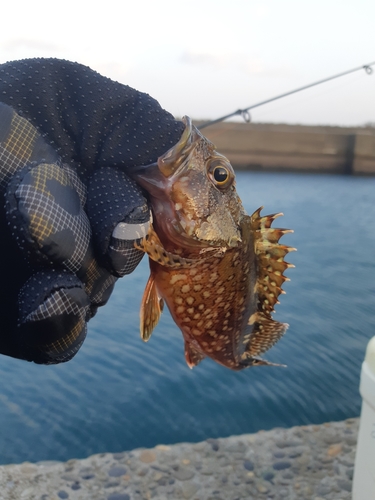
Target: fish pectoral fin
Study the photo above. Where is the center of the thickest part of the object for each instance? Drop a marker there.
(151, 309)
(262, 333)
(152, 245)
(192, 356)
(270, 259)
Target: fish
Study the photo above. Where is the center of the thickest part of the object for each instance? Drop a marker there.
(218, 269)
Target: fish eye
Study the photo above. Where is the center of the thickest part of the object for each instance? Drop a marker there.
(220, 174)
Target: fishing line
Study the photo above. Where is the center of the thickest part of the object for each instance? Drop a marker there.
(314, 95)
(245, 111)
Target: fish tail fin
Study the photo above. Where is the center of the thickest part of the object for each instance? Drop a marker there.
(262, 332)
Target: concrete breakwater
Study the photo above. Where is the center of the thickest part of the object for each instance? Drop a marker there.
(279, 147)
(312, 462)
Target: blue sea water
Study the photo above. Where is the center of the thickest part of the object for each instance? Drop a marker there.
(119, 393)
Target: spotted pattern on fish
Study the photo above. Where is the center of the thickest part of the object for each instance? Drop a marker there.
(223, 305)
(219, 276)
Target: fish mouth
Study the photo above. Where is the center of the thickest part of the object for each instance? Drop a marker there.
(178, 155)
(167, 222)
(157, 178)
(151, 180)
(176, 158)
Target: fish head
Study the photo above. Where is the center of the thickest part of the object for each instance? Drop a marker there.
(192, 194)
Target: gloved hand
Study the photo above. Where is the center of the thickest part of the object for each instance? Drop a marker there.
(71, 214)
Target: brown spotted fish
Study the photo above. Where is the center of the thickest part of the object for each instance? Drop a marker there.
(219, 270)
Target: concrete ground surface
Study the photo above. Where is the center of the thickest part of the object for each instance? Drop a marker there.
(309, 462)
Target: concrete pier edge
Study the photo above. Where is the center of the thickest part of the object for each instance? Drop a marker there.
(312, 462)
(270, 147)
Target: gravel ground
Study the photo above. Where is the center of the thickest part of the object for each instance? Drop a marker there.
(310, 462)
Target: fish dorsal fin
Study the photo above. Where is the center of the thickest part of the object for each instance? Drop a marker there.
(192, 356)
(262, 332)
(151, 309)
(270, 260)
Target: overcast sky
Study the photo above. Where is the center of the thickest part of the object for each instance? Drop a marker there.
(207, 58)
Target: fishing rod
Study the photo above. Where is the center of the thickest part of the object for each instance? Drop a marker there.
(245, 112)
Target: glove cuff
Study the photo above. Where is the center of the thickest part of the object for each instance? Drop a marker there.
(119, 216)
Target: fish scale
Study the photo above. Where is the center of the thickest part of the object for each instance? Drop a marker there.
(219, 270)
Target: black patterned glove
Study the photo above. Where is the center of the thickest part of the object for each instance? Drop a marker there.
(71, 214)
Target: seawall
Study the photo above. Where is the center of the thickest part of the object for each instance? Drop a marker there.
(280, 147)
(312, 462)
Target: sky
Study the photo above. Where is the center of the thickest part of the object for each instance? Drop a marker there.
(208, 58)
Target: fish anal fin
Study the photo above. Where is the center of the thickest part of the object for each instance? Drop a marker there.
(262, 333)
(192, 356)
(151, 309)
